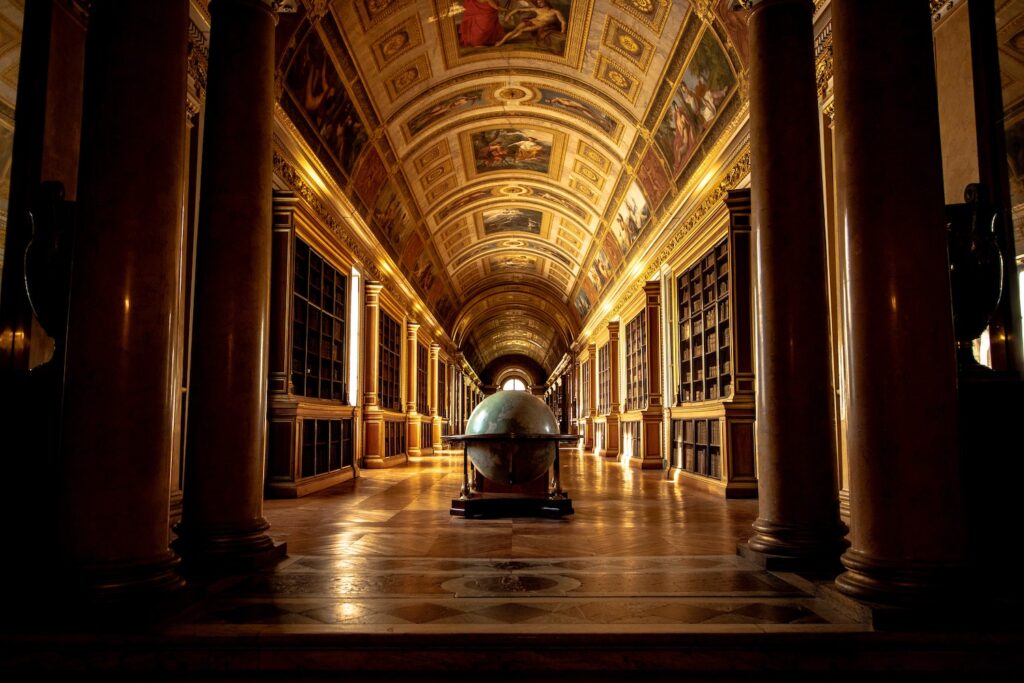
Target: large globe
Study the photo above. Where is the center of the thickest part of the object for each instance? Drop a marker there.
(511, 437)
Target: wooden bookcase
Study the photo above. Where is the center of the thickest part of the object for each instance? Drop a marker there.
(604, 387)
(636, 363)
(712, 421)
(313, 431)
(389, 375)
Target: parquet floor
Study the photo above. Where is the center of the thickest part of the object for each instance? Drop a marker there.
(383, 552)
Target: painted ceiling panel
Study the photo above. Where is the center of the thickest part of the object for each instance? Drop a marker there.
(511, 155)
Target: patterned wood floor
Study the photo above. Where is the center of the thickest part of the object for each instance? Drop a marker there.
(383, 552)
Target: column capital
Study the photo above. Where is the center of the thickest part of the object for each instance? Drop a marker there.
(373, 293)
(613, 330)
(412, 327)
(652, 290)
(435, 350)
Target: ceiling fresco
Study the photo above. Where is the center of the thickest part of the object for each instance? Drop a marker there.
(513, 156)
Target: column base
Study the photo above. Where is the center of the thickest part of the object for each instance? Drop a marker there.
(647, 463)
(905, 585)
(787, 547)
(212, 550)
(821, 565)
(380, 463)
(125, 581)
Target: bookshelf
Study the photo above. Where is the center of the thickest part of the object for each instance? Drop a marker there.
(318, 327)
(312, 429)
(636, 363)
(712, 421)
(604, 387)
(389, 375)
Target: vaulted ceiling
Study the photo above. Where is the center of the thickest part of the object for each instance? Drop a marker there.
(512, 160)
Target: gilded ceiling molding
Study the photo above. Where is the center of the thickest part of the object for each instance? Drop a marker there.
(315, 9)
(704, 9)
(202, 7)
(191, 108)
(829, 110)
(940, 8)
(823, 61)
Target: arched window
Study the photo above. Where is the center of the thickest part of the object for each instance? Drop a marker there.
(513, 384)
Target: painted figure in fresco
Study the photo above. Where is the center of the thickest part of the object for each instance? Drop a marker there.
(481, 23)
(605, 123)
(684, 134)
(542, 22)
(317, 90)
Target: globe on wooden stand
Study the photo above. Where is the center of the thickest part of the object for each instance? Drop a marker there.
(512, 440)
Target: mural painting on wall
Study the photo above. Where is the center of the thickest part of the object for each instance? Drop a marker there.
(652, 178)
(512, 149)
(582, 303)
(735, 24)
(444, 309)
(577, 107)
(423, 275)
(512, 220)
(612, 250)
(706, 84)
(370, 177)
(313, 82)
(600, 270)
(390, 218)
(439, 111)
(631, 219)
(539, 25)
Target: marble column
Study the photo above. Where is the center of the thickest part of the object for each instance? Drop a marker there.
(651, 455)
(436, 367)
(612, 435)
(412, 416)
(590, 386)
(573, 393)
(123, 365)
(373, 420)
(222, 517)
(906, 512)
(798, 507)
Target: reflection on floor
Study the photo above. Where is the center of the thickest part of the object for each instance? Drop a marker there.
(383, 552)
(382, 584)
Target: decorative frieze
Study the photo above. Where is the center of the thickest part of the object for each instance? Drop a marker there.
(297, 183)
(823, 61)
(198, 60)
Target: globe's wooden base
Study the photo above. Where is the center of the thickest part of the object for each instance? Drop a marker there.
(497, 505)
